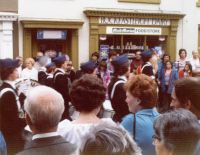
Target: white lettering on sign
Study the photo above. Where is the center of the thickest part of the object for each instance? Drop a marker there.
(134, 30)
(134, 21)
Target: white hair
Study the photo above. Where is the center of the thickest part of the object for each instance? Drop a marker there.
(43, 61)
(112, 137)
(44, 106)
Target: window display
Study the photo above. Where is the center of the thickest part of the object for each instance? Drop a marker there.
(131, 43)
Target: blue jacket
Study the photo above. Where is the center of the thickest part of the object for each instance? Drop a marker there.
(3, 149)
(144, 131)
(161, 67)
(173, 77)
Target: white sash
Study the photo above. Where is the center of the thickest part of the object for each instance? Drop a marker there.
(114, 87)
(20, 111)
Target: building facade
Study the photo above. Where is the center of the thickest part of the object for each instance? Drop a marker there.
(78, 27)
(8, 28)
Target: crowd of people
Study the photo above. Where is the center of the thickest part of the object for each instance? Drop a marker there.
(155, 103)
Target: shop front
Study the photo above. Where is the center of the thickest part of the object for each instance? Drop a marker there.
(51, 37)
(127, 31)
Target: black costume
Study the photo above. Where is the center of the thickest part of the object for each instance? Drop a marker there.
(61, 84)
(11, 124)
(118, 98)
(147, 69)
(42, 76)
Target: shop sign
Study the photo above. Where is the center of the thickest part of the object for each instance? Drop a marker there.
(51, 34)
(104, 49)
(134, 21)
(134, 30)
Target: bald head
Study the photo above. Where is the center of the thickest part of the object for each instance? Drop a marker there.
(195, 54)
(44, 107)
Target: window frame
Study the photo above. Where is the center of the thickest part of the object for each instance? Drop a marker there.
(141, 1)
(198, 3)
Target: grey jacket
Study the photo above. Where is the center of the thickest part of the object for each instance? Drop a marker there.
(49, 146)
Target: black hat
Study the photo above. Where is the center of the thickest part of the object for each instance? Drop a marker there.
(90, 65)
(119, 60)
(60, 59)
(147, 54)
(9, 63)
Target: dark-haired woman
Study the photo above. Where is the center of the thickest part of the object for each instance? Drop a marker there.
(11, 113)
(116, 92)
(166, 80)
(103, 73)
(87, 95)
(182, 59)
(186, 72)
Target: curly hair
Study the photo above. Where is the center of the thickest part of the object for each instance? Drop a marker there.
(182, 50)
(30, 60)
(144, 88)
(87, 93)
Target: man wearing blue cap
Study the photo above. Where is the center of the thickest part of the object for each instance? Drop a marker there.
(50, 71)
(61, 82)
(89, 67)
(116, 92)
(11, 113)
(147, 67)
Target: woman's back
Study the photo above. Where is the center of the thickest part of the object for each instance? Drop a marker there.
(74, 132)
(140, 125)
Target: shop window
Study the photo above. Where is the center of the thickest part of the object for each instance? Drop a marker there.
(198, 3)
(142, 1)
(131, 43)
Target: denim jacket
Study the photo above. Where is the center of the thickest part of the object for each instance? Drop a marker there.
(173, 77)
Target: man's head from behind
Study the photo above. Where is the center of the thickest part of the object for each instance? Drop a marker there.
(44, 107)
(186, 94)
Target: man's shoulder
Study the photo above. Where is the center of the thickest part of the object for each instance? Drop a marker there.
(5, 85)
(54, 145)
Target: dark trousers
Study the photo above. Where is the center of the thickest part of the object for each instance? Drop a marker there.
(165, 100)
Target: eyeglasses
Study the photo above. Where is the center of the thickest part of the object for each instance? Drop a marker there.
(155, 139)
(69, 64)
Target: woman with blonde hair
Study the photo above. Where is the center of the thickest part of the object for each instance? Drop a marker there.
(29, 72)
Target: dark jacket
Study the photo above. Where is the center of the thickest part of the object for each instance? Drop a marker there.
(118, 101)
(10, 124)
(42, 76)
(71, 75)
(48, 146)
(61, 84)
(147, 69)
